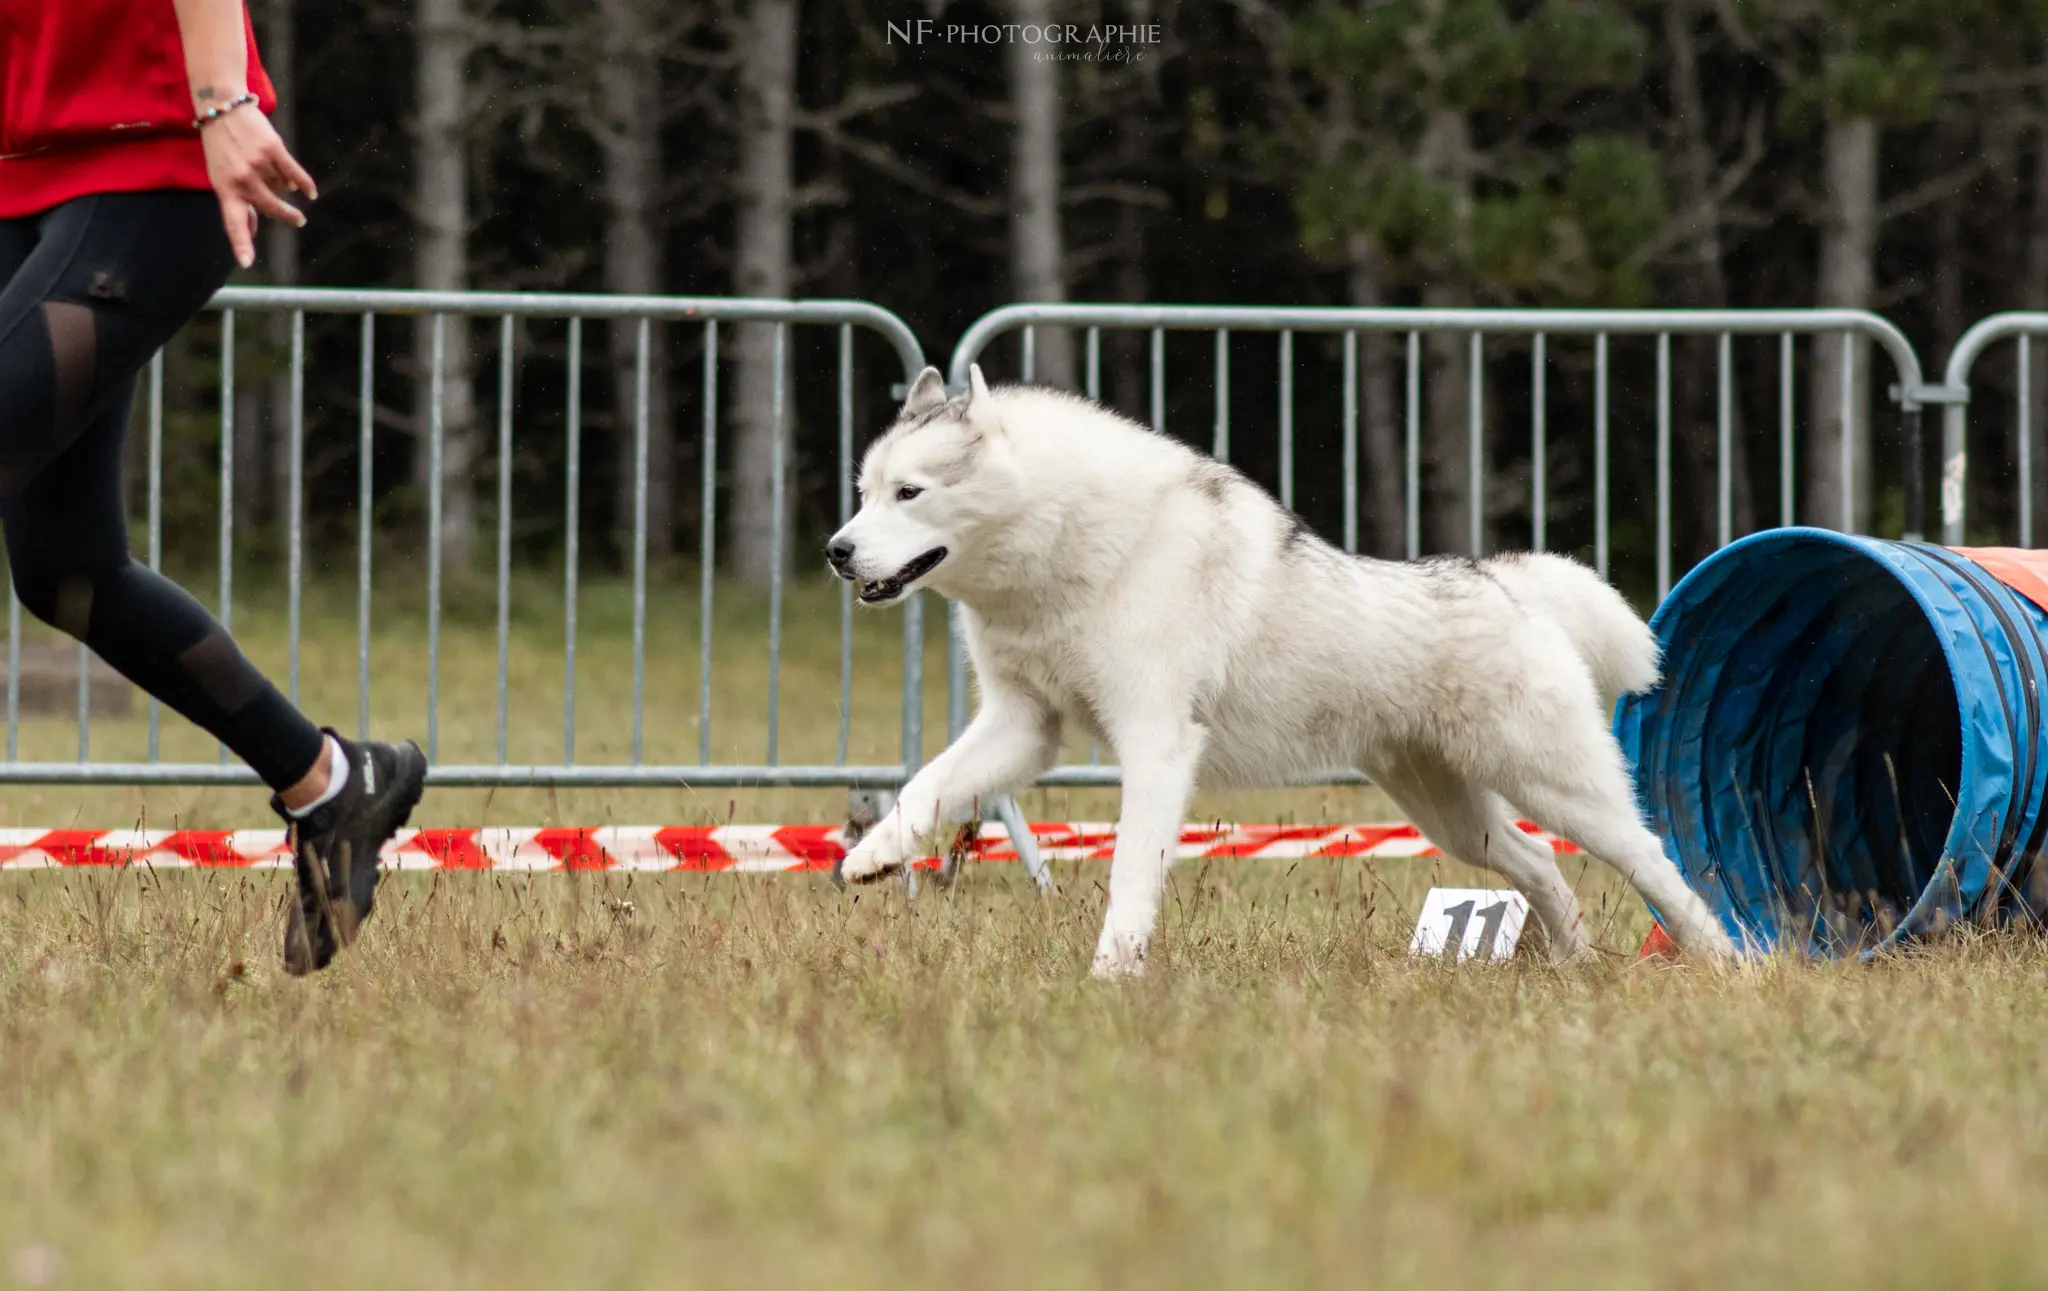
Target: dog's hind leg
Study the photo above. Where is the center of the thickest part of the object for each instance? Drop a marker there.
(1478, 828)
(1589, 800)
(1160, 759)
(1010, 741)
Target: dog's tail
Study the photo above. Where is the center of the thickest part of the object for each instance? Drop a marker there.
(1617, 647)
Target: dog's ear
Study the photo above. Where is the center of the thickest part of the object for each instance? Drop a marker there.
(981, 407)
(926, 393)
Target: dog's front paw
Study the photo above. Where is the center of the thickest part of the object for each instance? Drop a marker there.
(876, 856)
(1119, 957)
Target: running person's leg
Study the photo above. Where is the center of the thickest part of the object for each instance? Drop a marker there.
(91, 291)
(67, 544)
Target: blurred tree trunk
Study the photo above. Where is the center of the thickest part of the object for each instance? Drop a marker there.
(1128, 354)
(1382, 441)
(762, 267)
(1847, 279)
(1949, 318)
(1702, 283)
(1445, 155)
(629, 91)
(1135, 109)
(2034, 295)
(1949, 323)
(1038, 253)
(441, 263)
(1383, 491)
(281, 258)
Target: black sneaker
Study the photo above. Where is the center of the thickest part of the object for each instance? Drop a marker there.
(337, 845)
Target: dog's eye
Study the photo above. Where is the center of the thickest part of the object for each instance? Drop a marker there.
(907, 492)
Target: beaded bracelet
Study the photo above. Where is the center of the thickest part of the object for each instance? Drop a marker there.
(214, 114)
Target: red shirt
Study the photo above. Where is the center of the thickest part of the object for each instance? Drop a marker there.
(94, 99)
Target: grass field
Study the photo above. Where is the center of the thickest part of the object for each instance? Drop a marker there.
(714, 1080)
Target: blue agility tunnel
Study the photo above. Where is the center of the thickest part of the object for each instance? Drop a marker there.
(1847, 750)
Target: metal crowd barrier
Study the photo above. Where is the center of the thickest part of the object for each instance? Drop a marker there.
(233, 303)
(1910, 392)
(2019, 328)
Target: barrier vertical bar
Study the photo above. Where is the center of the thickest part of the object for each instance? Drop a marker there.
(913, 683)
(504, 533)
(156, 512)
(366, 416)
(2026, 441)
(1158, 378)
(956, 623)
(83, 661)
(1539, 444)
(846, 511)
(1785, 456)
(1412, 454)
(1724, 453)
(1223, 426)
(956, 670)
(1916, 483)
(1351, 442)
(845, 514)
(1663, 464)
(707, 540)
(227, 485)
(1030, 347)
(1848, 460)
(436, 448)
(643, 345)
(777, 504)
(1955, 466)
(1475, 428)
(1600, 453)
(1287, 420)
(295, 524)
(572, 540)
(1221, 449)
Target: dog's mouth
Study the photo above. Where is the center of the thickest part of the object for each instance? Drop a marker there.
(879, 591)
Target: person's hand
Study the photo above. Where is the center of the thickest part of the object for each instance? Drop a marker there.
(251, 170)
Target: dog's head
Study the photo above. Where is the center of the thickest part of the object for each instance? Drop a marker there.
(929, 488)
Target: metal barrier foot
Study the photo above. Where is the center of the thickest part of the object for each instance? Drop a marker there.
(1024, 841)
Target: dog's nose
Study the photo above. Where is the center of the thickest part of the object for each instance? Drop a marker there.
(839, 551)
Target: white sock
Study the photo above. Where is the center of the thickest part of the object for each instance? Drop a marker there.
(337, 779)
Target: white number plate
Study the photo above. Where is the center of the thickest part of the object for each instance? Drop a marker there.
(1470, 922)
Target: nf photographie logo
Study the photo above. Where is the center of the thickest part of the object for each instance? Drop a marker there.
(1057, 40)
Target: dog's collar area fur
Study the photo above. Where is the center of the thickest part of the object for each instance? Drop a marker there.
(884, 590)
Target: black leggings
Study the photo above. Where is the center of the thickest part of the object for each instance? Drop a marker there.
(91, 290)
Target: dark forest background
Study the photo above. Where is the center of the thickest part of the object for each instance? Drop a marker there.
(1870, 153)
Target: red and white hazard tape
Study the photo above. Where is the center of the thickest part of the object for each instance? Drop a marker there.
(757, 848)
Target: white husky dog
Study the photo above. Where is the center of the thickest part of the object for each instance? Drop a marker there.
(1113, 577)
